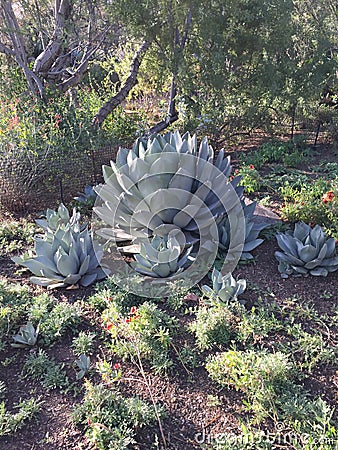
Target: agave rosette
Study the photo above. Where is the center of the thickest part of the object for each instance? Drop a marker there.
(63, 258)
(306, 251)
(60, 218)
(166, 183)
(162, 257)
(252, 230)
(224, 287)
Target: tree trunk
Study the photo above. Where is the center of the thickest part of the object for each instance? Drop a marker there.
(131, 81)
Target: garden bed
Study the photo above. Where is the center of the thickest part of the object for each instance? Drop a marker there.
(294, 317)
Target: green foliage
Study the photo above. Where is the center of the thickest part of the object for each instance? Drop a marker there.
(12, 422)
(290, 153)
(53, 318)
(13, 303)
(250, 178)
(306, 251)
(260, 375)
(213, 327)
(15, 235)
(110, 420)
(40, 367)
(311, 202)
(83, 343)
(146, 333)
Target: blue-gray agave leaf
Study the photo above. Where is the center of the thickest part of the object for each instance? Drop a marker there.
(163, 257)
(224, 288)
(252, 231)
(158, 184)
(306, 251)
(66, 258)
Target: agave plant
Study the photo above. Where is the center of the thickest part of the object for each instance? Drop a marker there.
(88, 196)
(59, 218)
(165, 183)
(224, 288)
(252, 230)
(162, 257)
(65, 258)
(306, 251)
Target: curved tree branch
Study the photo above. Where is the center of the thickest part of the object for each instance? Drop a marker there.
(130, 82)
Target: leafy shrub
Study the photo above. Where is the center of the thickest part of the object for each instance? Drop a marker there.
(213, 327)
(290, 153)
(251, 179)
(258, 374)
(145, 333)
(40, 367)
(52, 317)
(15, 235)
(12, 422)
(110, 420)
(315, 202)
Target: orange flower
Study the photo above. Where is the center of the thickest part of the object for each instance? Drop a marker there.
(328, 197)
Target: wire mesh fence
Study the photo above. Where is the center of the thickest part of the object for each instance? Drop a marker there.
(31, 182)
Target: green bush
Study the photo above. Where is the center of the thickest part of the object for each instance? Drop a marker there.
(110, 420)
(315, 202)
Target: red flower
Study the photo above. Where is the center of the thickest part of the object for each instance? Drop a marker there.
(251, 166)
(133, 310)
(328, 197)
(128, 320)
(89, 421)
(109, 326)
(117, 366)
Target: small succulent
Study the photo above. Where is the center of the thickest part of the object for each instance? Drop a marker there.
(88, 196)
(27, 336)
(162, 257)
(60, 218)
(83, 363)
(306, 251)
(252, 231)
(65, 258)
(224, 288)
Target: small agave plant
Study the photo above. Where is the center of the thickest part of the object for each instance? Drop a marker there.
(65, 256)
(252, 231)
(224, 288)
(87, 196)
(306, 251)
(162, 257)
(58, 219)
